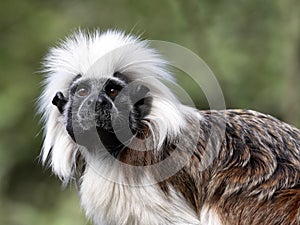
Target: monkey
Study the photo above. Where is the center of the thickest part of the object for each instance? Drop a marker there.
(115, 128)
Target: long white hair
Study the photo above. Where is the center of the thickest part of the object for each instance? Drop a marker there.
(100, 55)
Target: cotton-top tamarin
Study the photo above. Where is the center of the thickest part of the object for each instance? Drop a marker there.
(114, 127)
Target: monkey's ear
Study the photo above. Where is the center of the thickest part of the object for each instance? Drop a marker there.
(59, 101)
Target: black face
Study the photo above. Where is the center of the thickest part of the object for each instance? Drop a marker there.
(104, 111)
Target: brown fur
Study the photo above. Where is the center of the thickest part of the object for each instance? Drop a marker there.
(245, 165)
(255, 179)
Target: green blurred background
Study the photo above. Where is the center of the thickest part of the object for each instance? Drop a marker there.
(252, 46)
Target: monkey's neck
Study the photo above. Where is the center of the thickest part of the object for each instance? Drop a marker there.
(110, 142)
(126, 146)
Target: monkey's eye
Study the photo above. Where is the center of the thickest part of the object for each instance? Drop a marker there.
(82, 91)
(112, 92)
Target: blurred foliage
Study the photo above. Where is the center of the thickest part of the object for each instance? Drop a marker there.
(252, 46)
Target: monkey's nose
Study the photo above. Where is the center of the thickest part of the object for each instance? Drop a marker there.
(102, 101)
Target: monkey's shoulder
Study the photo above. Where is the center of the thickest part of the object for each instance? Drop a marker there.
(253, 123)
(248, 136)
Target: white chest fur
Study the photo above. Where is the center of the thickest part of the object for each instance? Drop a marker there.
(110, 203)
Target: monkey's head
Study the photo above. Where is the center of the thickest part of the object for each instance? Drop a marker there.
(101, 90)
(104, 110)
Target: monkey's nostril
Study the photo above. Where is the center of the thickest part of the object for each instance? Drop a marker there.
(90, 102)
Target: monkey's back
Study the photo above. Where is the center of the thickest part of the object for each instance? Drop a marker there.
(256, 176)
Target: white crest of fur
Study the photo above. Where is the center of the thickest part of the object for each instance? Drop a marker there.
(100, 55)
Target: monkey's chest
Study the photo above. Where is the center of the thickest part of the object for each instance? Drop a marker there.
(109, 202)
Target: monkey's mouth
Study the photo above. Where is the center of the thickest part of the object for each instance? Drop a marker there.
(85, 129)
(89, 125)
(93, 121)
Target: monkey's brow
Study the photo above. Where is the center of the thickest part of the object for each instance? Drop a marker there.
(76, 83)
(78, 76)
(115, 82)
(75, 79)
